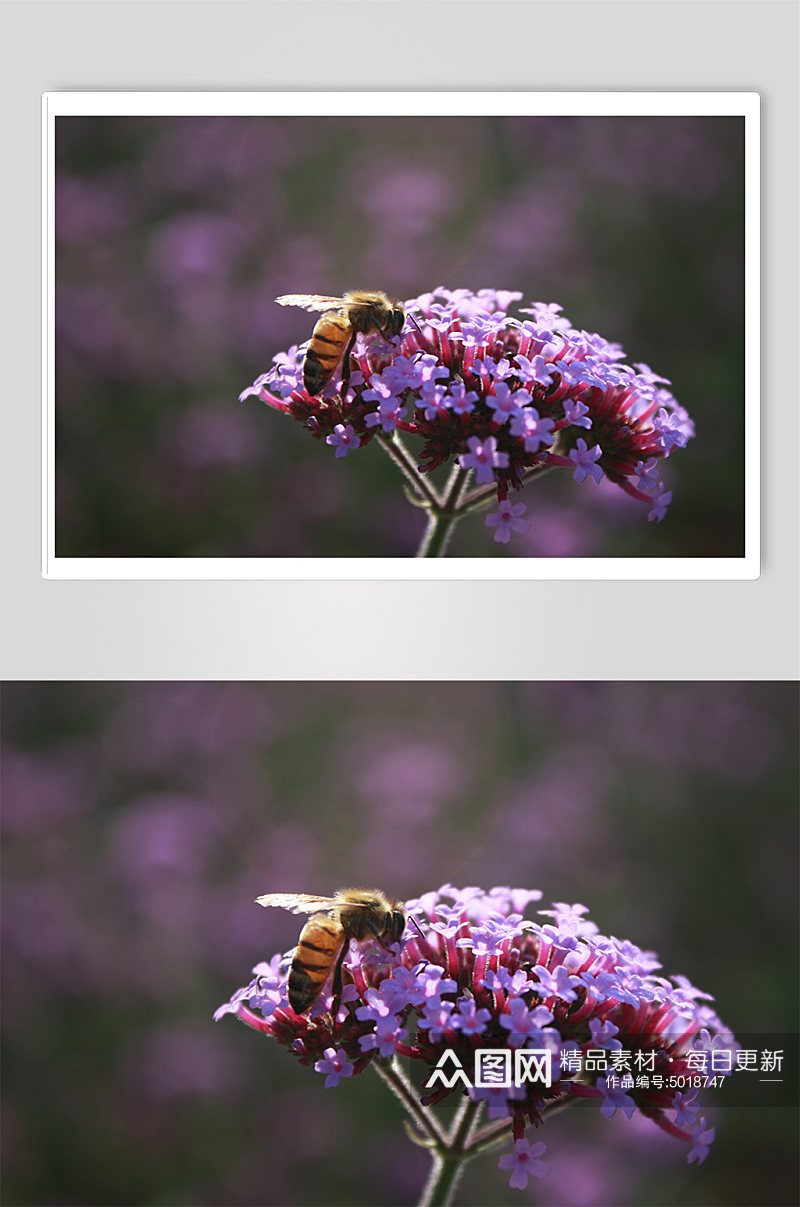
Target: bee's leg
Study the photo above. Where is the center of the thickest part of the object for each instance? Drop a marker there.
(377, 934)
(337, 979)
(384, 332)
(346, 367)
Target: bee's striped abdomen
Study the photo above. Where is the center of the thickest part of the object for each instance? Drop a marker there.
(325, 350)
(320, 942)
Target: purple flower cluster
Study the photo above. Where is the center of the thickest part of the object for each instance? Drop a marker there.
(471, 972)
(496, 394)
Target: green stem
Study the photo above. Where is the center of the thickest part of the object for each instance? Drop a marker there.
(442, 1182)
(449, 1160)
(443, 517)
(496, 1134)
(490, 1137)
(395, 1078)
(444, 510)
(401, 456)
(485, 495)
(450, 1151)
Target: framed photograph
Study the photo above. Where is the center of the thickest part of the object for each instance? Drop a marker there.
(344, 335)
(605, 869)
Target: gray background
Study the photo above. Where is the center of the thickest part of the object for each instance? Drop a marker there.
(149, 630)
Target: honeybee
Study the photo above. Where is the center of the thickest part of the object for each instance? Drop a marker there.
(354, 913)
(358, 311)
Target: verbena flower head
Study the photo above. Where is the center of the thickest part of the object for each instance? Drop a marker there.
(497, 393)
(472, 972)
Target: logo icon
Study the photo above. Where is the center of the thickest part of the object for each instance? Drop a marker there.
(493, 1069)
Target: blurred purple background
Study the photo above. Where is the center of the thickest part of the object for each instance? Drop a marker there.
(140, 821)
(174, 236)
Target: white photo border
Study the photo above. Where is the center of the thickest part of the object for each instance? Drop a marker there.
(445, 104)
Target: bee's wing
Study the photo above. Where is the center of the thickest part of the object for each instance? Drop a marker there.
(309, 301)
(297, 903)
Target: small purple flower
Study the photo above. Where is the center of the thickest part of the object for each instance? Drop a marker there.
(615, 1099)
(603, 1033)
(495, 981)
(524, 1024)
(687, 1109)
(583, 373)
(483, 940)
(660, 506)
(499, 299)
(507, 520)
(386, 1036)
(599, 986)
(232, 1007)
(469, 1020)
(585, 459)
(576, 413)
(689, 991)
(673, 429)
(433, 398)
(546, 313)
(376, 1008)
(270, 993)
(519, 1022)
(558, 983)
(483, 457)
(336, 1065)
(648, 478)
(404, 373)
(436, 1018)
(703, 1139)
(570, 917)
(388, 412)
(705, 1042)
(461, 400)
(255, 390)
(647, 373)
(343, 439)
(402, 989)
(429, 369)
(434, 982)
(534, 370)
(381, 389)
(535, 430)
(506, 403)
(515, 899)
(519, 982)
(524, 1163)
(494, 370)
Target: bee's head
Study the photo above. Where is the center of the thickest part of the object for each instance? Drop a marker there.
(395, 925)
(395, 321)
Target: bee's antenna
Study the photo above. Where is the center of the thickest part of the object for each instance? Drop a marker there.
(425, 342)
(411, 918)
